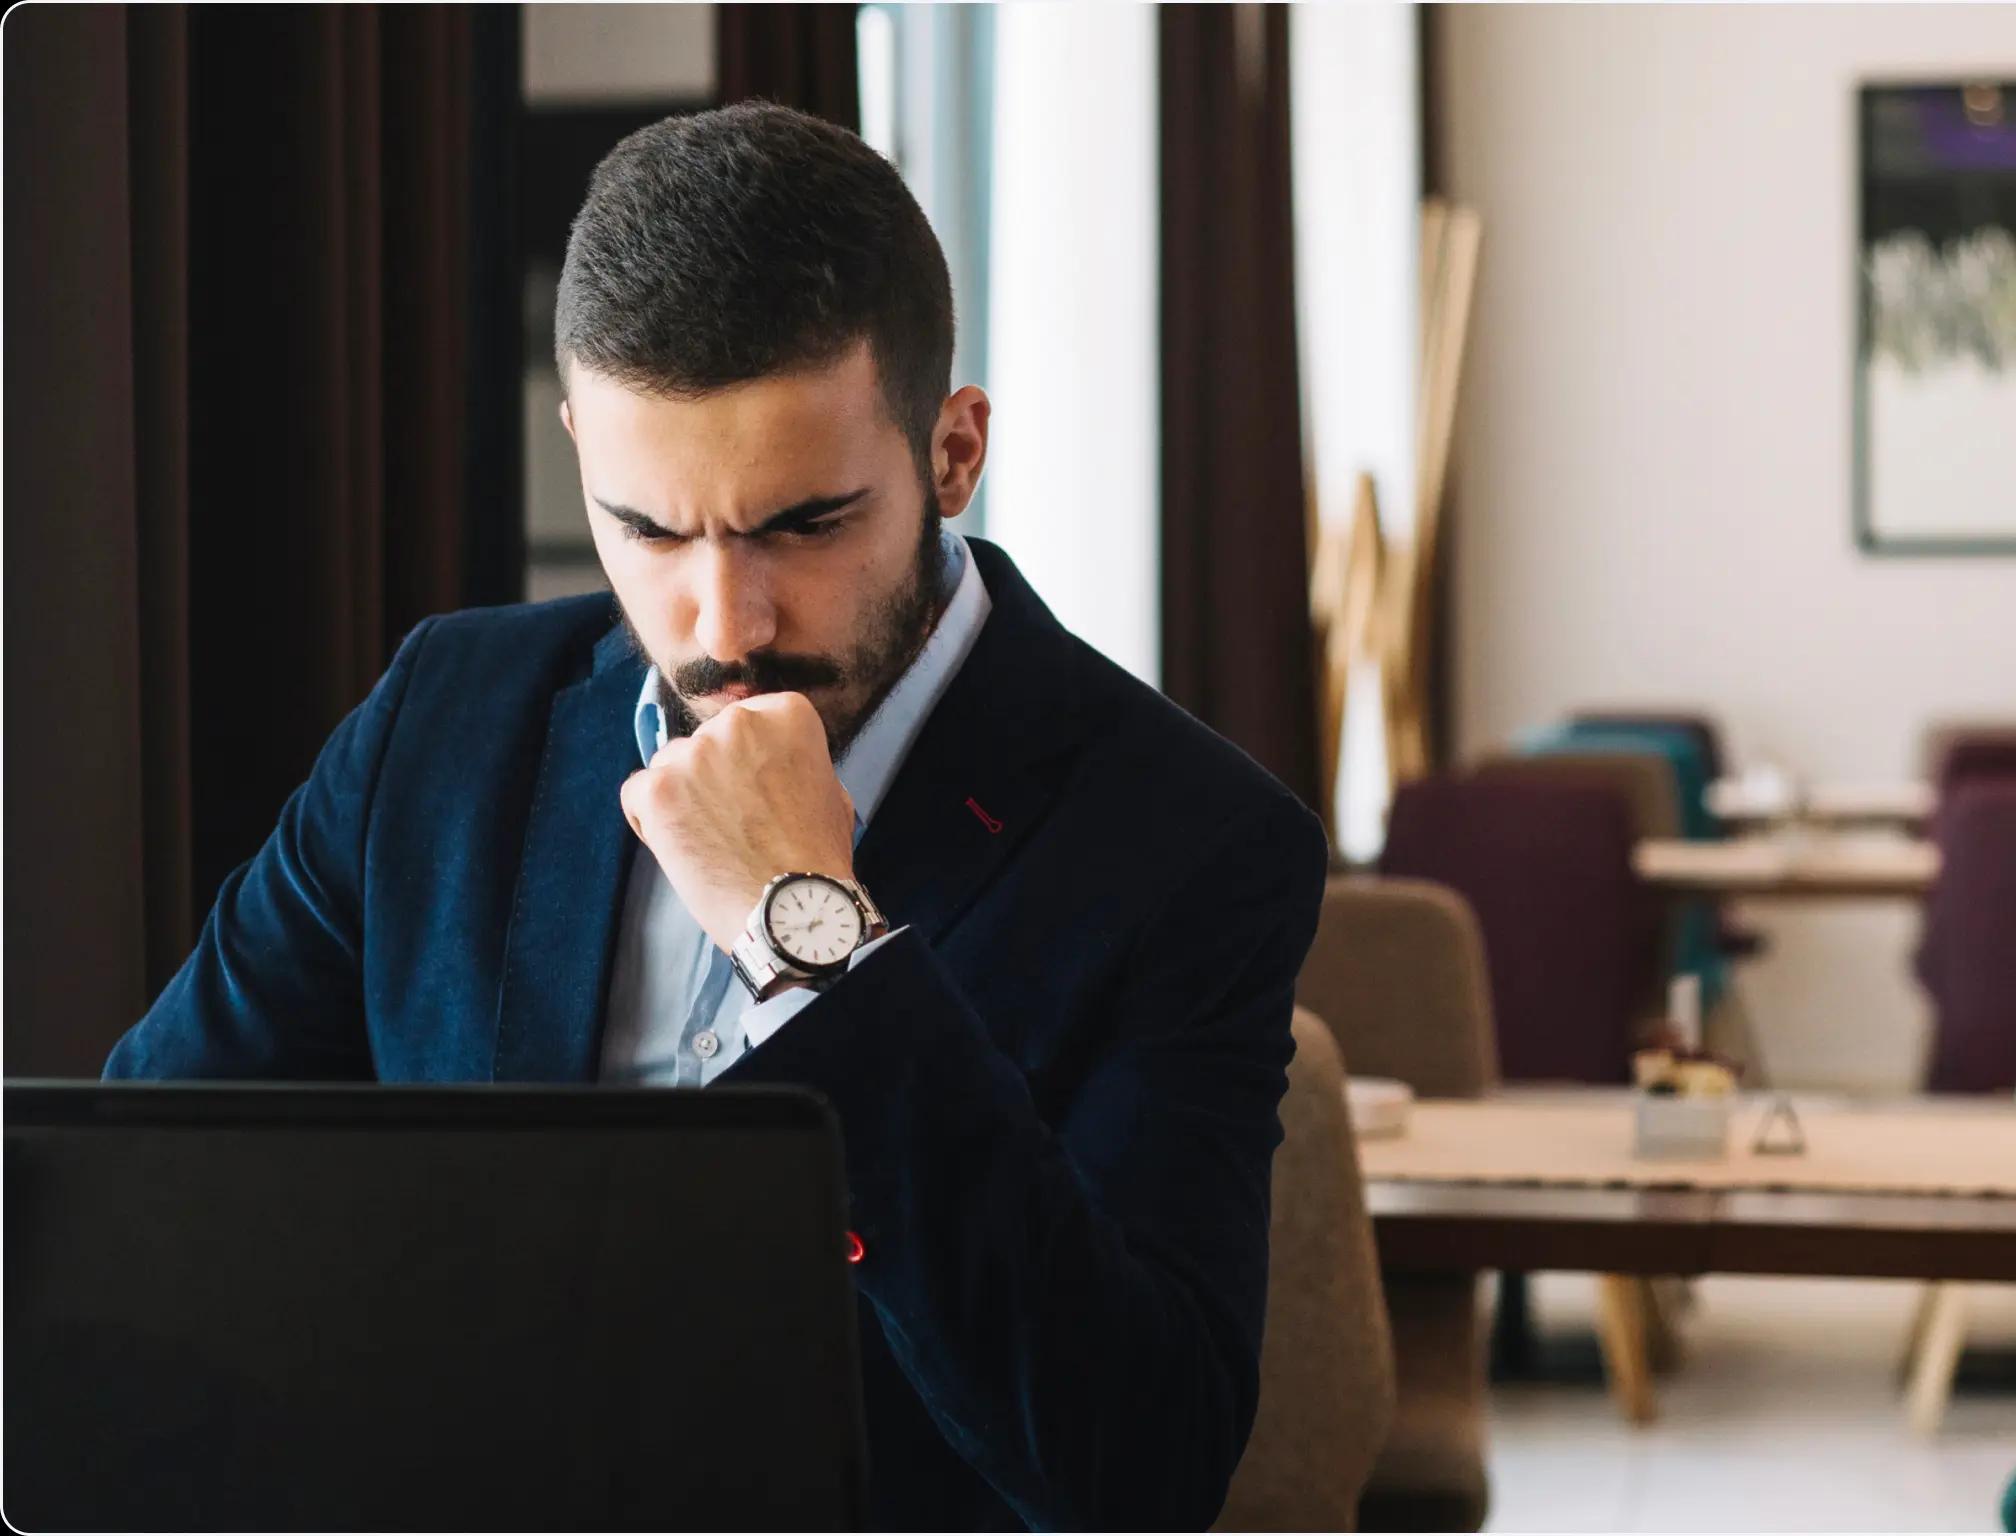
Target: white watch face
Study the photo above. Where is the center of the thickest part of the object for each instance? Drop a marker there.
(813, 922)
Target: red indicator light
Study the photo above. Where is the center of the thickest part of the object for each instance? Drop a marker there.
(854, 1248)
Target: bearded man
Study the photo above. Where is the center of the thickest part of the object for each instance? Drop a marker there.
(828, 797)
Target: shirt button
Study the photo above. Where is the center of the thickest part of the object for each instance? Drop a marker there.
(705, 1044)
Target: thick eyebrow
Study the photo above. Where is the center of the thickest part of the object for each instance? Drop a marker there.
(798, 512)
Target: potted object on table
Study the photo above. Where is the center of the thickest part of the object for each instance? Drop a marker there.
(1684, 1092)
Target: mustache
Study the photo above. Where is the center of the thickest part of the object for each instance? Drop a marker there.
(761, 672)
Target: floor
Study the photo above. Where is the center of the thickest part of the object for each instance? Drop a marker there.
(1784, 1416)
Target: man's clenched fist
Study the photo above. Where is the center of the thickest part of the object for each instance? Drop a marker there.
(746, 797)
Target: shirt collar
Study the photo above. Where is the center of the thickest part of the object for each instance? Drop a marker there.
(869, 765)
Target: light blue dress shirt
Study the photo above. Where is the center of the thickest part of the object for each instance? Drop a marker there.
(677, 1015)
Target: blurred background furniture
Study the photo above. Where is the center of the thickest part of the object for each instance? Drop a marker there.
(1769, 798)
(1397, 971)
(1699, 729)
(1918, 1188)
(1326, 1366)
(1541, 1196)
(1970, 945)
(1570, 945)
(1968, 965)
(1693, 744)
(1959, 756)
(1955, 750)
(1644, 782)
(1833, 866)
(1547, 870)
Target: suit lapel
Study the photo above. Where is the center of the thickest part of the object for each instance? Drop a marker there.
(578, 850)
(986, 766)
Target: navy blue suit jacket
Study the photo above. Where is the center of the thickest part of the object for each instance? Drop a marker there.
(1058, 1089)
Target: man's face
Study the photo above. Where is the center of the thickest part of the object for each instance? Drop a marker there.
(772, 536)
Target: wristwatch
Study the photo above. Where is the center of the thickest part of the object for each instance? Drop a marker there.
(805, 927)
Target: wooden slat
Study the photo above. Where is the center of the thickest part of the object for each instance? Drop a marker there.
(1456, 1227)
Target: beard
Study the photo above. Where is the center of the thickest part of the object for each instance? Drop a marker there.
(897, 625)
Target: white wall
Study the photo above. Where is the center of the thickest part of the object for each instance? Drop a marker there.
(1073, 487)
(1355, 101)
(1653, 447)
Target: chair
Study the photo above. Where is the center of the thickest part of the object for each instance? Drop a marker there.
(1701, 929)
(1968, 964)
(1970, 961)
(1956, 750)
(1397, 972)
(1960, 756)
(1697, 820)
(1699, 761)
(1646, 783)
(1547, 869)
(1326, 1362)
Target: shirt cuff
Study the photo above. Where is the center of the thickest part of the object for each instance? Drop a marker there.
(763, 1020)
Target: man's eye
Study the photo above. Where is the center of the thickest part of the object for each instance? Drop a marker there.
(652, 535)
(824, 528)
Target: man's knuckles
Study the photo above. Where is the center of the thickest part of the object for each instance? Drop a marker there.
(789, 715)
(651, 794)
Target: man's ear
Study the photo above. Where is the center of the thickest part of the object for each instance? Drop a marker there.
(959, 448)
(567, 420)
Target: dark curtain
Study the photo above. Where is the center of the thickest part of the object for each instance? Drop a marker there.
(249, 258)
(1237, 649)
(802, 56)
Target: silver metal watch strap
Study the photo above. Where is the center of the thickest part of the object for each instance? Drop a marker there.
(757, 965)
(872, 914)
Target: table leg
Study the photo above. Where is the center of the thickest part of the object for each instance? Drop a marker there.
(1622, 1327)
(1938, 1357)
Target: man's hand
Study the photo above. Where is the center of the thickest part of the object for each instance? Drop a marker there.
(748, 796)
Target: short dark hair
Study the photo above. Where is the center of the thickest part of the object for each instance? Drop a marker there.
(730, 245)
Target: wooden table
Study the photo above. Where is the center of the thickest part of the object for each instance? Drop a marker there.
(1816, 865)
(1918, 1187)
(1429, 1223)
(1906, 803)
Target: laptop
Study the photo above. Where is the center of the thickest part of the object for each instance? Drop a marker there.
(291, 1307)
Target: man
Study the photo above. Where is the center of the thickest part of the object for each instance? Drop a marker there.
(837, 802)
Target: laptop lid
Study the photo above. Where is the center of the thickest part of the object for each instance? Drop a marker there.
(354, 1308)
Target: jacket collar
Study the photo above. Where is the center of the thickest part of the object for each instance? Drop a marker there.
(985, 767)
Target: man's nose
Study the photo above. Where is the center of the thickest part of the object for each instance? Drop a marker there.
(734, 613)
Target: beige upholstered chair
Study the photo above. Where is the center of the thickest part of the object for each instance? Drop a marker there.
(1399, 967)
(1326, 1367)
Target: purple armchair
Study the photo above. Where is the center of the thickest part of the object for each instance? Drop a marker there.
(1547, 869)
(1968, 962)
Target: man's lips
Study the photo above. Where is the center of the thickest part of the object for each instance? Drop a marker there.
(729, 693)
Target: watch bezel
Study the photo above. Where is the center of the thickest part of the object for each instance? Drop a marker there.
(811, 967)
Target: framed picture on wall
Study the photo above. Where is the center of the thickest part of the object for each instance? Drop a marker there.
(1935, 363)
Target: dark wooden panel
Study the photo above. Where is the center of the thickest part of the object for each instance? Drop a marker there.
(1464, 1226)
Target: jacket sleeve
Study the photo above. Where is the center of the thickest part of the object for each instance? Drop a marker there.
(1078, 1301)
(273, 988)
